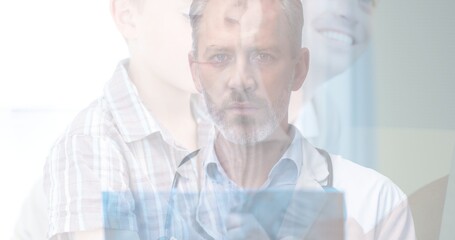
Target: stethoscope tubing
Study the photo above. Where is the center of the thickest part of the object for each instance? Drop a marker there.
(187, 158)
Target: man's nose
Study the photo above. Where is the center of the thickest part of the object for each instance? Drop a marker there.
(242, 76)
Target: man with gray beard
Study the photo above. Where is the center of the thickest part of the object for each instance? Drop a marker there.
(246, 61)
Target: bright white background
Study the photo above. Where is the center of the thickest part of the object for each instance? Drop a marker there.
(55, 56)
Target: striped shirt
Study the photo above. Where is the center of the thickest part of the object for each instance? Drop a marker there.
(113, 167)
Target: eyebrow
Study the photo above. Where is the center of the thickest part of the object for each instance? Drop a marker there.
(215, 48)
(219, 49)
(273, 49)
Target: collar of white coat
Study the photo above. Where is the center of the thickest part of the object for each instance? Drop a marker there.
(315, 171)
(293, 154)
(313, 175)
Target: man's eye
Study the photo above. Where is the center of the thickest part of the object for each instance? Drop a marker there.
(219, 60)
(262, 58)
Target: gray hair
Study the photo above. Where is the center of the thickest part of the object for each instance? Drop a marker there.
(292, 9)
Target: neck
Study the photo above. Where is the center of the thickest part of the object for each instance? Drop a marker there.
(169, 105)
(249, 165)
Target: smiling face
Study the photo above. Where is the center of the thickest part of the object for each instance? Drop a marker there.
(246, 67)
(336, 32)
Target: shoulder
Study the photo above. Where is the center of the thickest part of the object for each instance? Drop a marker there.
(357, 180)
(92, 126)
(370, 197)
(95, 120)
(90, 143)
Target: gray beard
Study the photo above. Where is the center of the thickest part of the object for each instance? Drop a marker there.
(254, 131)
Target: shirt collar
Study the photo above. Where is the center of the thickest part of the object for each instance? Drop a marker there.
(314, 166)
(311, 166)
(292, 158)
(134, 121)
(310, 163)
(294, 151)
(211, 164)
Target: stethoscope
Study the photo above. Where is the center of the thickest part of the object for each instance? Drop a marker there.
(177, 176)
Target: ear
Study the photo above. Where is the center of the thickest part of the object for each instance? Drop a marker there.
(123, 12)
(194, 71)
(301, 68)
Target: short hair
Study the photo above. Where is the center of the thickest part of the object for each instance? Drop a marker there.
(292, 10)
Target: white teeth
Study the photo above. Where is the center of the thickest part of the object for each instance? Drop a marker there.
(341, 37)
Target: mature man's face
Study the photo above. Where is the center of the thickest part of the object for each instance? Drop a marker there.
(246, 68)
(337, 32)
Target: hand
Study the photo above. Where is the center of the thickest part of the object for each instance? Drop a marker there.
(244, 226)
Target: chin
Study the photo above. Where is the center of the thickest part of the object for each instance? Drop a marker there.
(242, 138)
(242, 135)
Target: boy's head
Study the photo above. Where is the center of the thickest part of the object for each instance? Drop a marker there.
(158, 36)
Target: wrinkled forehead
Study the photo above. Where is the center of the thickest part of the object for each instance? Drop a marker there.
(247, 13)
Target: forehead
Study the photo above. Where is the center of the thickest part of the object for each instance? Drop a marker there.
(248, 15)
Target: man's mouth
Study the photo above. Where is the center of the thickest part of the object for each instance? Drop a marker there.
(338, 36)
(243, 108)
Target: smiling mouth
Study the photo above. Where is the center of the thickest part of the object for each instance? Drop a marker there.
(338, 36)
